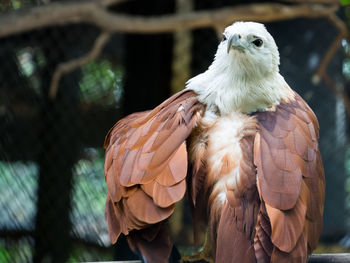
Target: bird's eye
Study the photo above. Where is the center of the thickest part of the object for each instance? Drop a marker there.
(258, 42)
(223, 37)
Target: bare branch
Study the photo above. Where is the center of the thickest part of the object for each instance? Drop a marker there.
(110, 2)
(341, 93)
(334, 46)
(327, 58)
(71, 65)
(321, 72)
(94, 13)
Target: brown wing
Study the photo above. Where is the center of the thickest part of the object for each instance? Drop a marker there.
(290, 177)
(146, 163)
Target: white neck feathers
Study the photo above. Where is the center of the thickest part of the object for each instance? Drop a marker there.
(220, 89)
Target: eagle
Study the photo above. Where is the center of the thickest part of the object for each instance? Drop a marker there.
(240, 142)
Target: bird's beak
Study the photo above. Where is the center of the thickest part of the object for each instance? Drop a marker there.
(234, 42)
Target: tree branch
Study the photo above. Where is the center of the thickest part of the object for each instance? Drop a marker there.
(343, 32)
(71, 65)
(95, 13)
(321, 72)
(108, 3)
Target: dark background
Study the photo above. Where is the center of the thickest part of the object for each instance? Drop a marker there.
(52, 188)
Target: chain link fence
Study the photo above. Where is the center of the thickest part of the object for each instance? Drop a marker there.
(51, 157)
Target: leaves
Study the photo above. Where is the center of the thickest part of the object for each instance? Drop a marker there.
(345, 2)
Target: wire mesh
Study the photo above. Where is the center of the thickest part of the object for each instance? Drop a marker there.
(51, 156)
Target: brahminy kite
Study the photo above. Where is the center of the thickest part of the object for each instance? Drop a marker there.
(243, 145)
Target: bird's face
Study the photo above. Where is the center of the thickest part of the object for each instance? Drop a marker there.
(249, 47)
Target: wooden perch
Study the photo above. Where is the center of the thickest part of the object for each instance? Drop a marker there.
(316, 258)
(328, 258)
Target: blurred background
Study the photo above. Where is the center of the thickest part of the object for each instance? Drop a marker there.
(70, 70)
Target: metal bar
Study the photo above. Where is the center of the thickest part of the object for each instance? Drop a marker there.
(326, 258)
(315, 258)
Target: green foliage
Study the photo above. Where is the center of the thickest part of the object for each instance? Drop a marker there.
(18, 181)
(80, 253)
(89, 186)
(6, 5)
(347, 182)
(26, 61)
(19, 251)
(101, 83)
(4, 254)
(30, 61)
(16, 4)
(18, 187)
(345, 2)
(346, 68)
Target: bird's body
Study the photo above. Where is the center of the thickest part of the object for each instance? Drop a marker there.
(255, 173)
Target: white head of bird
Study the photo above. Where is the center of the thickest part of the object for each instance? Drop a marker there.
(244, 75)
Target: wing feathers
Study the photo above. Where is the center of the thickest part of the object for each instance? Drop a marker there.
(112, 222)
(153, 243)
(287, 226)
(283, 140)
(290, 180)
(262, 242)
(174, 173)
(143, 208)
(165, 196)
(146, 163)
(167, 148)
(241, 249)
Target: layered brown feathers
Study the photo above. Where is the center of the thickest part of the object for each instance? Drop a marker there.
(256, 180)
(290, 179)
(146, 165)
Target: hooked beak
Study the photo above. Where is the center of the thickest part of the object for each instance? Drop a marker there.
(234, 42)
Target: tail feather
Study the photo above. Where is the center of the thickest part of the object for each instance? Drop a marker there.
(232, 245)
(262, 242)
(152, 243)
(297, 255)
